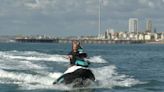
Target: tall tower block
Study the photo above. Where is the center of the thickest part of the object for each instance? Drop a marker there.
(133, 25)
(149, 25)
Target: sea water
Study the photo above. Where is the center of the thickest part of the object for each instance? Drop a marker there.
(33, 67)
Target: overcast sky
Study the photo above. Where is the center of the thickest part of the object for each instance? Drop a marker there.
(76, 17)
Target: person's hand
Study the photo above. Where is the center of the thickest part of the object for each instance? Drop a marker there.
(69, 57)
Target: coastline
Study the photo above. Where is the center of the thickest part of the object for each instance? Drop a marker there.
(155, 42)
(85, 41)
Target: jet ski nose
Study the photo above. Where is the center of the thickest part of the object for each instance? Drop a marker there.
(79, 77)
(54, 83)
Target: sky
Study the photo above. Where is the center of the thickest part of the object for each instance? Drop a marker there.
(76, 17)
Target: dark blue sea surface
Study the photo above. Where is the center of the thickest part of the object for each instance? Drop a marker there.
(33, 67)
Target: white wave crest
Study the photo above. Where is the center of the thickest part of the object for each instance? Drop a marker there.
(23, 65)
(97, 59)
(31, 81)
(37, 56)
(32, 56)
(27, 78)
(108, 77)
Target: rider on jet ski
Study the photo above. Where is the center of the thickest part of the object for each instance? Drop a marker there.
(77, 55)
(76, 73)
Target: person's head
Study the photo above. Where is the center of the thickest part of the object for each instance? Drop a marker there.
(78, 43)
(74, 45)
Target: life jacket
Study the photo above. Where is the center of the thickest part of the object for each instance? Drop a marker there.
(81, 53)
(82, 62)
(80, 50)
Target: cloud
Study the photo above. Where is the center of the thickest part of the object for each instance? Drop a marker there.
(75, 17)
(143, 1)
(34, 5)
(151, 4)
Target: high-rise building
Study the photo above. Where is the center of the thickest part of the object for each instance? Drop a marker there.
(148, 25)
(133, 25)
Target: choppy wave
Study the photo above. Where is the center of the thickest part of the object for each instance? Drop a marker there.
(32, 56)
(23, 77)
(107, 76)
(97, 59)
(37, 56)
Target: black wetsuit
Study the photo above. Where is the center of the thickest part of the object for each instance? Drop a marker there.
(77, 56)
(74, 57)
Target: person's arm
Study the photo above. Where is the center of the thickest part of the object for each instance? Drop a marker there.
(69, 55)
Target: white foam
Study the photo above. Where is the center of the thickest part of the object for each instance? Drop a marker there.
(29, 81)
(97, 59)
(27, 78)
(23, 65)
(41, 86)
(25, 59)
(37, 56)
(32, 56)
(108, 77)
(55, 75)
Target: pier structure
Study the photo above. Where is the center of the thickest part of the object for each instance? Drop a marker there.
(84, 41)
(33, 40)
(101, 41)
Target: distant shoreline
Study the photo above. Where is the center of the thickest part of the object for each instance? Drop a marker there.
(162, 42)
(87, 41)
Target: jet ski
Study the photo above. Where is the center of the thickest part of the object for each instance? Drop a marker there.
(78, 76)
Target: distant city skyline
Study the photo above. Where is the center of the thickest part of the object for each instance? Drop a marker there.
(76, 17)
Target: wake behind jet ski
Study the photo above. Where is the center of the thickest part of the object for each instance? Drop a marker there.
(77, 74)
